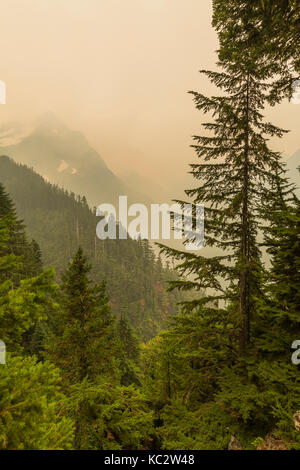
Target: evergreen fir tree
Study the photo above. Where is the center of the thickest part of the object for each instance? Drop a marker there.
(22, 302)
(129, 352)
(279, 323)
(238, 170)
(17, 242)
(84, 344)
(229, 384)
(272, 28)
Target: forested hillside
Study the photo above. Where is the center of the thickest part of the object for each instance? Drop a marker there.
(71, 376)
(60, 222)
(224, 374)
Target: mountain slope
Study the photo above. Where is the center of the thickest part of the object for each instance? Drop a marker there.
(65, 157)
(60, 222)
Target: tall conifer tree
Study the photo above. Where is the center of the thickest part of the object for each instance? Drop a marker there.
(237, 170)
(279, 323)
(84, 340)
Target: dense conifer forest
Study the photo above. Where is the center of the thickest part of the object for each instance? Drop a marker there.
(60, 222)
(102, 353)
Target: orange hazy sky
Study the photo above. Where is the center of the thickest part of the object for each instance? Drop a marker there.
(119, 71)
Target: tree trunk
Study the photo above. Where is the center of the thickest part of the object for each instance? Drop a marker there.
(244, 275)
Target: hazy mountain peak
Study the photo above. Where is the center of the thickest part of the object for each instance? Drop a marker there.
(49, 119)
(65, 157)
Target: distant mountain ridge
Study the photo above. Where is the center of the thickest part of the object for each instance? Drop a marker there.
(64, 157)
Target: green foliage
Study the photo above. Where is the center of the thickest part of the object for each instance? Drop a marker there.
(83, 343)
(17, 243)
(97, 357)
(61, 222)
(230, 370)
(236, 171)
(223, 367)
(31, 407)
(20, 308)
(112, 417)
(23, 300)
(279, 322)
(129, 352)
(262, 396)
(271, 28)
(207, 428)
